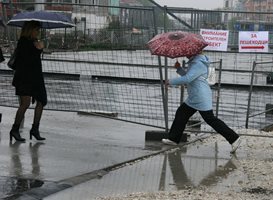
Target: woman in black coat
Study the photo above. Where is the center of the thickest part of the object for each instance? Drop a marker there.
(28, 79)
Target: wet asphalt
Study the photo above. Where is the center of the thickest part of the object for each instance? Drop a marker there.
(77, 148)
(85, 157)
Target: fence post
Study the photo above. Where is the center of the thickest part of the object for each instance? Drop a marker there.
(182, 87)
(219, 87)
(250, 94)
(161, 78)
(166, 76)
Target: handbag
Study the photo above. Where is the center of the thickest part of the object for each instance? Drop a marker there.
(2, 59)
(11, 62)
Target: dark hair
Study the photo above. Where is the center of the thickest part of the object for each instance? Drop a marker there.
(28, 28)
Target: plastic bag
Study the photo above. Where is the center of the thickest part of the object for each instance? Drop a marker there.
(211, 75)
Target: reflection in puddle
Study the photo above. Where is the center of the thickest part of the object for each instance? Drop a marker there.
(15, 185)
(189, 170)
(192, 166)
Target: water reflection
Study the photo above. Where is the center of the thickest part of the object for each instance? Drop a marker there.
(178, 171)
(16, 165)
(17, 183)
(185, 168)
(34, 152)
(222, 172)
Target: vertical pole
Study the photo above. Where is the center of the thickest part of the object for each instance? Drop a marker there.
(182, 90)
(5, 19)
(160, 71)
(250, 94)
(166, 75)
(219, 87)
(6, 32)
(12, 13)
(84, 29)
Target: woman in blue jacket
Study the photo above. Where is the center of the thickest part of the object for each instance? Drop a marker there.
(199, 99)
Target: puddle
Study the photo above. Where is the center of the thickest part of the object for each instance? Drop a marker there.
(13, 186)
(189, 167)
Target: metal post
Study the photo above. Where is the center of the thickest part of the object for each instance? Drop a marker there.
(219, 87)
(160, 74)
(171, 14)
(166, 76)
(250, 94)
(182, 87)
(5, 19)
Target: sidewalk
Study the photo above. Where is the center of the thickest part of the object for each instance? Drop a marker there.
(88, 157)
(75, 145)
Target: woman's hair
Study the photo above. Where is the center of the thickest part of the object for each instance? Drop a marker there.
(29, 27)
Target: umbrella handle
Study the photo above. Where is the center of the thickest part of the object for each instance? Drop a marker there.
(177, 64)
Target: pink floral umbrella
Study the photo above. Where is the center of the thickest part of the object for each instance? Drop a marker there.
(177, 44)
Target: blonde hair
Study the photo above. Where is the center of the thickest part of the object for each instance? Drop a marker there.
(29, 27)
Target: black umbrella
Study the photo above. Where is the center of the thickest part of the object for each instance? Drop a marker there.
(48, 20)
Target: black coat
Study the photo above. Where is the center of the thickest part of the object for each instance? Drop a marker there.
(28, 77)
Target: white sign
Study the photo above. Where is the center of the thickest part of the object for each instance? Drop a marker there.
(253, 41)
(217, 39)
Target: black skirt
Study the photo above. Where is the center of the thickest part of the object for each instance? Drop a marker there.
(37, 94)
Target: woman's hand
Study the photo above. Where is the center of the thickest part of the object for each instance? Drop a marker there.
(177, 64)
(167, 83)
(39, 45)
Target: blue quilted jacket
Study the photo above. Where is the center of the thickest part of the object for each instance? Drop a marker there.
(198, 89)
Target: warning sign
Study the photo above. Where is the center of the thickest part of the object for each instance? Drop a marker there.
(253, 41)
(217, 39)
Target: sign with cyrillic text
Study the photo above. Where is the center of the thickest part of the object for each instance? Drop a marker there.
(217, 39)
(252, 41)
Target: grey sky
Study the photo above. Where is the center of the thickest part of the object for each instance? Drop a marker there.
(200, 4)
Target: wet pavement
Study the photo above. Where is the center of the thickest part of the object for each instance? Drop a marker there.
(76, 147)
(189, 166)
(87, 157)
(200, 170)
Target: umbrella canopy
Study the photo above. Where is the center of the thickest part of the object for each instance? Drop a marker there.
(177, 44)
(48, 20)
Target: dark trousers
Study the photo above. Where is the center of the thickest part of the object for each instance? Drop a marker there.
(182, 116)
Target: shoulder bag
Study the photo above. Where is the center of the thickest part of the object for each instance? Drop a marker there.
(11, 62)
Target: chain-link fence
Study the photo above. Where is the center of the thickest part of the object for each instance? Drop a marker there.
(103, 65)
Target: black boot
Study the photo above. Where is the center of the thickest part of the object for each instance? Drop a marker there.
(14, 132)
(35, 132)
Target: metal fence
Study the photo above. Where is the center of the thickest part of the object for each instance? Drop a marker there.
(103, 66)
(236, 104)
(260, 105)
(234, 21)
